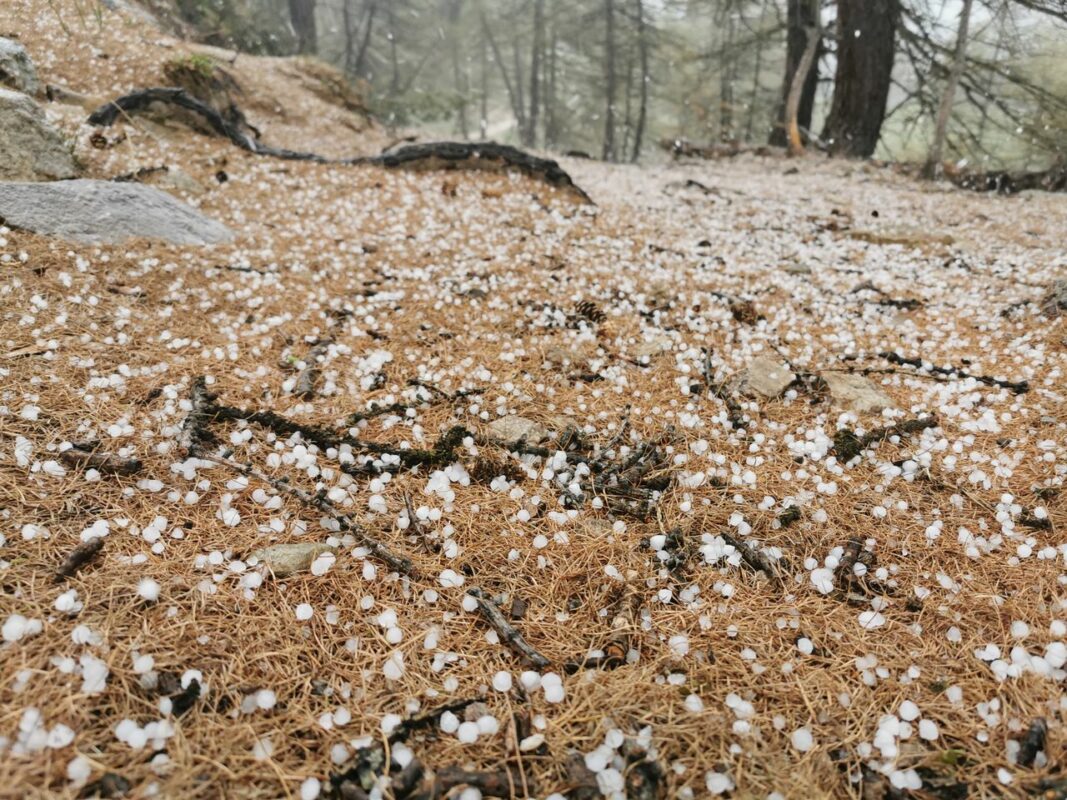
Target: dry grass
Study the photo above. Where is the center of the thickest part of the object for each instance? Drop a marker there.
(401, 255)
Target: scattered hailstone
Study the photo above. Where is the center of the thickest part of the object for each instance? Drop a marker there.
(304, 612)
(802, 740)
(148, 589)
(310, 789)
(322, 563)
(502, 681)
(718, 783)
(870, 620)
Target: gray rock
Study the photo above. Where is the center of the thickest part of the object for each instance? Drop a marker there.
(105, 212)
(285, 559)
(31, 149)
(796, 269)
(512, 429)
(16, 68)
(653, 347)
(856, 393)
(766, 377)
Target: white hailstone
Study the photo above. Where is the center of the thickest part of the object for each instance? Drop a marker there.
(1058, 628)
(502, 681)
(1005, 777)
(694, 703)
(78, 770)
(310, 789)
(262, 749)
(871, 619)
(322, 563)
(59, 737)
(805, 646)
(531, 743)
(823, 580)
(265, 699)
(304, 612)
(94, 674)
(450, 579)
(908, 711)
(718, 783)
(467, 732)
(148, 589)
(679, 644)
(393, 669)
(449, 722)
(377, 504)
(17, 627)
(928, 730)
(953, 635)
(599, 759)
(469, 604)
(530, 680)
(470, 793)
(488, 725)
(802, 740)
(67, 602)
(390, 722)
(552, 685)
(1019, 629)
(231, 517)
(143, 664)
(610, 782)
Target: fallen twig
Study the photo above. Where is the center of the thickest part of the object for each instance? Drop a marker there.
(1019, 387)
(506, 630)
(1033, 743)
(401, 564)
(847, 445)
(102, 462)
(78, 558)
(754, 557)
(194, 430)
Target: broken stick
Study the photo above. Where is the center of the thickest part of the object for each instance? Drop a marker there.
(78, 558)
(506, 630)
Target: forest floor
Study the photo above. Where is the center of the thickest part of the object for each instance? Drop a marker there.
(732, 593)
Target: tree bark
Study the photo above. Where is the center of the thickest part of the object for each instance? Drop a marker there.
(551, 120)
(608, 151)
(454, 9)
(530, 132)
(302, 18)
(866, 32)
(361, 54)
(792, 103)
(934, 167)
(642, 53)
(516, 105)
(802, 14)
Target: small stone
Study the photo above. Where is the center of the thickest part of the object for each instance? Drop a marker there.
(31, 149)
(652, 347)
(16, 69)
(284, 559)
(796, 269)
(512, 429)
(766, 377)
(856, 393)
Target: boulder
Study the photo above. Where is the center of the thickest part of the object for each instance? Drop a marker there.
(856, 393)
(16, 69)
(765, 377)
(513, 429)
(283, 560)
(31, 149)
(95, 212)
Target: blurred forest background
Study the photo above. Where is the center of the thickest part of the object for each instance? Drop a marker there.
(977, 83)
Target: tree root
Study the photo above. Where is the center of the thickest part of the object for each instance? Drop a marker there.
(432, 155)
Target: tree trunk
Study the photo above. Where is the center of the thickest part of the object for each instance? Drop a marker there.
(642, 53)
(530, 133)
(516, 106)
(551, 120)
(350, 35)
(803, 14)
(757, 70)
(608, 152)
(302, 18)
(454, 9)
(394, 80)
(361, 55)
(727, 61)
(792, 103)
(866, 32)
(934, 167)
(483, 121)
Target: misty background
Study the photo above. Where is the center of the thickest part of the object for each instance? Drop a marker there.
(615, 78)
